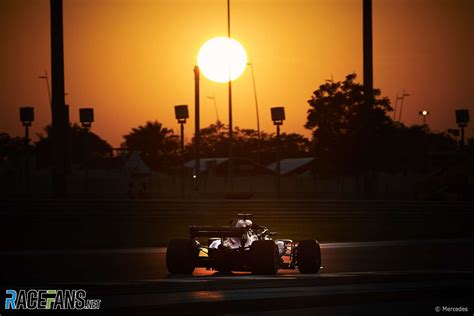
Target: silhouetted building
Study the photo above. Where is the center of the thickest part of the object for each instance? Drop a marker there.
(294, 166)
(219, 167)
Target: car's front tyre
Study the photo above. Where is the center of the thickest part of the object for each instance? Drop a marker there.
(181, 256)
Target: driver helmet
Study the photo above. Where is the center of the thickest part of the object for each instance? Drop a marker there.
(243, 223)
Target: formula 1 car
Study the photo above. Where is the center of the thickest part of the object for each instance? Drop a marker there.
(241, 246)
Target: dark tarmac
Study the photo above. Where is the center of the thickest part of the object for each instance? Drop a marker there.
(387, 277)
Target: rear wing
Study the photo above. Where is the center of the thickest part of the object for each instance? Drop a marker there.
(213, 231)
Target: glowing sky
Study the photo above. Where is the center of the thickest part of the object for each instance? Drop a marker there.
(132, 60)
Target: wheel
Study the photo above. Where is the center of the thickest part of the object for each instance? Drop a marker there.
(264, 257)
(181, 256)
(308, 256)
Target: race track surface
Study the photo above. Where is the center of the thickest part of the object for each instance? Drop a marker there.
(412, 277)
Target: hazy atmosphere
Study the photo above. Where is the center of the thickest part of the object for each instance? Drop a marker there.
(132, 61)
(237, 157)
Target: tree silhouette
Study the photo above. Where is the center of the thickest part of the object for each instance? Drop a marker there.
(157, 145)
(335, 118)
(9, 146)
(409, 148)
(96, 146)
(215, 143)
(12, 149)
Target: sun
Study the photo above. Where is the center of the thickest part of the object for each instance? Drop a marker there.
(221, 59)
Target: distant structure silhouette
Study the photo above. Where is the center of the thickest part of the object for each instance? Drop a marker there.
(197, 128)
(368, 55)
(230, 108)
(365, 128)
(59, 110)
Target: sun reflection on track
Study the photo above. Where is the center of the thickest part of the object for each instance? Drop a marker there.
(208, 295)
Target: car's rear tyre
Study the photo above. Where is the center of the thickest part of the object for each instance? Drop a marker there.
(181, 256)
(265, 258)
(308, 255)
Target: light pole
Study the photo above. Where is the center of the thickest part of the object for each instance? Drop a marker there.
(181, 113)
(225, 69)
(278, 116)
(462, 119)
(395, 108)
(367, 58)
(59, 111)
(230, 170)
(402, 98)
(424, 114)
(45, 77)
(27, 116)
(197, 131)
(218, 132)
(256, 109)
(213, 98)
(397, 98)
(86, 117)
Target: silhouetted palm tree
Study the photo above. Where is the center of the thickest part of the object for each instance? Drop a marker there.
(157, 145)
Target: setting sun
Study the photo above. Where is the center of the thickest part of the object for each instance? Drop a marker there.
(222, 58)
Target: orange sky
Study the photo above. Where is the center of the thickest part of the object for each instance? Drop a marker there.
(132, 60)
